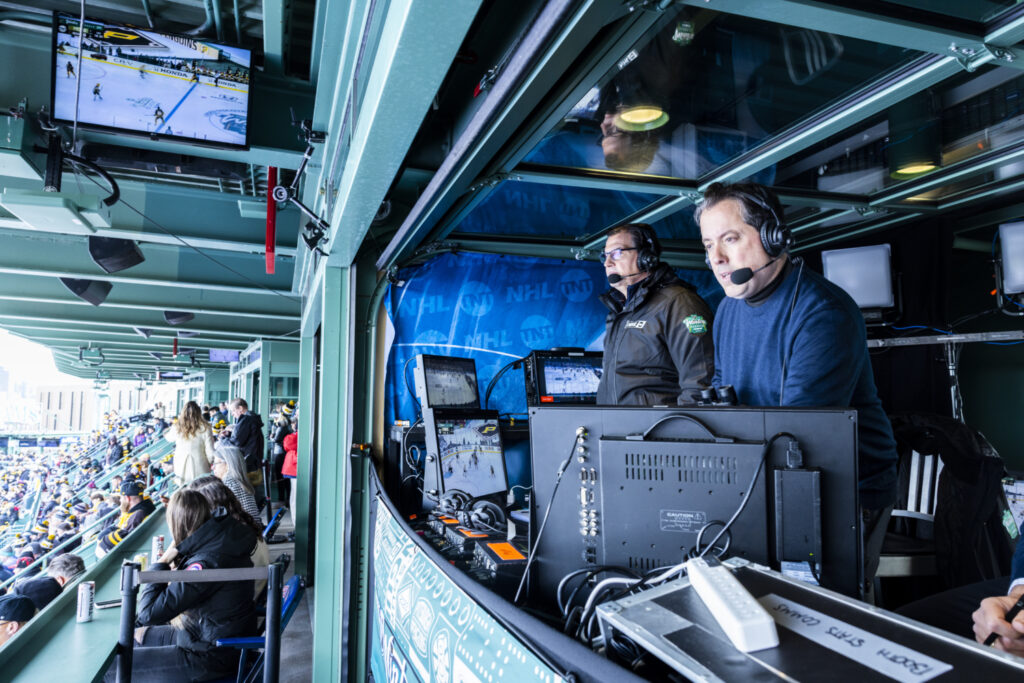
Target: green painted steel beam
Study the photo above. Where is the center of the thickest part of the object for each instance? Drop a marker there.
(27, 253)
(256, 155)
(333, 481)
(203, 218)
(275, 35)
(49, 290)
(558, 37)
(150, 319)
(417, 45)
(8, 318)
(857, 230)
(975, 194)
(853, 22)
(44, 333)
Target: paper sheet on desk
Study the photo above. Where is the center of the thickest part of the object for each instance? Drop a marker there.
(884, 656)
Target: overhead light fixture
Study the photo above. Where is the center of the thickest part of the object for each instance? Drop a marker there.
(93, 291)
(177, 317)
(90, 355)
(641, 118)
(113, 254)
(143, 331)
(915, 145)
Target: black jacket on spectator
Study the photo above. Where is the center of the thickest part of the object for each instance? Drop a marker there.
(113, 535)
(209, 610)
(113, 453)
(247, 434)
(40, 591)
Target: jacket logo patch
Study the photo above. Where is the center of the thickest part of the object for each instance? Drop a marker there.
(696, 324)
(195, 566)
(636, 324)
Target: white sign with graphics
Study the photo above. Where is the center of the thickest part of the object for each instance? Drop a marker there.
(884, 656)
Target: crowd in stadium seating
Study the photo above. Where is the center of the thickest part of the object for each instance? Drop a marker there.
(56, 504)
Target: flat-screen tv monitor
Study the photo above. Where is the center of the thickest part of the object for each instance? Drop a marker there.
(151, 83)
(864, 272)
(170, 374)
(467, 453)
(223, 356)
(446, 382)
(554, 377)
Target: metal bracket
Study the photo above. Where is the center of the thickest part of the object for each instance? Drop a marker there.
(361, 450)
(581, 254)
(870, 210)
(652, 5)
(971, 58)
(493, 180)
(436, 246)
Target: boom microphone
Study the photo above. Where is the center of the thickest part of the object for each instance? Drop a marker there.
(615, 278)
(744, 275)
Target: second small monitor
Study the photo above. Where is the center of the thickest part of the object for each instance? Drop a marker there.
(446, 382)
(562, 377)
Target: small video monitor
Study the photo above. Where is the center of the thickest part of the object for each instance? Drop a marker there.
(562, 377)
(446, 382)
(470, 455)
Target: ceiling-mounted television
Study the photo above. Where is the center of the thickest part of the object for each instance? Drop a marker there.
(166, 86)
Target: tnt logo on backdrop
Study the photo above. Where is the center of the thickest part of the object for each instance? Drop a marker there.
(537, 332)
(576, 285)
(476, 298)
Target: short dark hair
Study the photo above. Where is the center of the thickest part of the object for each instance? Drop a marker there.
(239, 403)
(759, 204)
(641, 234)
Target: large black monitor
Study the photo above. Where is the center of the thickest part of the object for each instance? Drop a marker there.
(652, 478)
(150, 83)
(464, 452)
(562, 377)
(446, 382)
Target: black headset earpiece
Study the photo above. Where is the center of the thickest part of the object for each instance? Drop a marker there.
(485, 515)
(648, 254)
(775, 235)
(452, 501)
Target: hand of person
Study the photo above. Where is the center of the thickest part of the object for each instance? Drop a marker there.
(169, 555)
(140, 634)
(990, 617)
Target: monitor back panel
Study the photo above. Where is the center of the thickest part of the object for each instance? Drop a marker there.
(646, 500)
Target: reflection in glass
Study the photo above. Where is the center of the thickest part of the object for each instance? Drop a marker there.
(705, 88)
(975, 10)
(969, 115)
(520, 208)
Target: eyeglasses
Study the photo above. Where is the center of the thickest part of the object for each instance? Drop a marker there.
(614, 254)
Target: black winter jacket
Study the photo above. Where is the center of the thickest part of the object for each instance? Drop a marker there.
(209, 610)
(657, 345)
(247, 434)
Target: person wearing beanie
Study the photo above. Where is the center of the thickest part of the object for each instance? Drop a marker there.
(15, 611)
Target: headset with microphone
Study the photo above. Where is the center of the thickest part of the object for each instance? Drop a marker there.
(648, 250)
(775, 235)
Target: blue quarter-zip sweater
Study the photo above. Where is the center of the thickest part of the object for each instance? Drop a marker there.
(822, 343)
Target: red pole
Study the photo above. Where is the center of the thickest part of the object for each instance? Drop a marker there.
(271, 218)
(175, 347)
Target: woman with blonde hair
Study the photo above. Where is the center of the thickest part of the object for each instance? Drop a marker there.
(193, 444)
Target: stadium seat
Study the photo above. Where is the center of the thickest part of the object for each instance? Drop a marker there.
(291, 595)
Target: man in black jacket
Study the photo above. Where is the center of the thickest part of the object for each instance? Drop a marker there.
(134, 510)
(657, 344)
(247, 434)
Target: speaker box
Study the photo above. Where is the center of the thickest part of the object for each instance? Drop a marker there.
(93, 291)
(113, 254)
(177, 317)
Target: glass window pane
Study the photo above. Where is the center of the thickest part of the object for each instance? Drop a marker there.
(974, 10)
(520, 208)
(706, 87)
(971, 114)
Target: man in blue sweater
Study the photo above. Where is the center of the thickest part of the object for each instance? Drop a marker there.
(786, 336)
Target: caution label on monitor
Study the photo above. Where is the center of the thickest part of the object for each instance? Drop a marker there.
(884, 656)
(683, 521)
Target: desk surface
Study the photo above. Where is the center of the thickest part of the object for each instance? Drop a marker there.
(54, 646)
